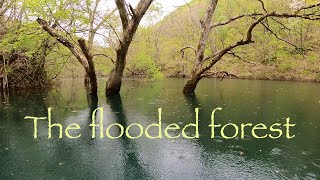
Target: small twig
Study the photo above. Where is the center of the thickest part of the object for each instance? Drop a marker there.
(263, 6)
(187, 47)
(114, 30)
(112, 60)
(234, 19)
(241, 58)
(276, 35)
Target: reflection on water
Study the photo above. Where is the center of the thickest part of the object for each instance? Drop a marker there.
(205, 158)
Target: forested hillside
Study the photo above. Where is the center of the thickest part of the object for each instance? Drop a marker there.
(289, 51)
(284, 48)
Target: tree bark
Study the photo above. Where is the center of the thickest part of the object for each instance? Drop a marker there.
(191, 84)
(91, 73)
(114, 82)
(129, 26)
(91, 84)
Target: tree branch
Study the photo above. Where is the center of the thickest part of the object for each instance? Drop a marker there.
(188, 47)
(234, 19)
(142, 8)
(205, 33)
(308, 7)
(112, 60)
(218, 55)
(221, 74)
(263, 6)
(123, 13)
(64, 41)
(104, 19)
(133, 24)
(132, 11)
(276, 35)
(241, 58)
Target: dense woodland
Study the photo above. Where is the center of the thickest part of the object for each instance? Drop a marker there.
(42, 41)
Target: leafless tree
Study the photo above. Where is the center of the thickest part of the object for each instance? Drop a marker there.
(204, 63)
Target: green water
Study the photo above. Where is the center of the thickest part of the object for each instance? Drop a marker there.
(22, 157)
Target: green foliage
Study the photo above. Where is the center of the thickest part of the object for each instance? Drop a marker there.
(141, 58)
(278, 58)
(155, 50)
(26, 39)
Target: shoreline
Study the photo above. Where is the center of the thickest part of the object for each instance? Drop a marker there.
(56, 81)
(210, 77)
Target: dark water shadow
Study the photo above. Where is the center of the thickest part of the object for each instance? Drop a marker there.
(66, 151)
(4, 96)
(241, 147)
(132, 164)
(193, 103)
(92, 105)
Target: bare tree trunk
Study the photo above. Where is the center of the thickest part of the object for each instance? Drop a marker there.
(91, 71)
(114, 82)
(130, 19)
(192, 82)
(91, 84)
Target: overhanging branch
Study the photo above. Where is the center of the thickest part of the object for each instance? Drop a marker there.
(218, 55)
(64, 41)
(241, 58)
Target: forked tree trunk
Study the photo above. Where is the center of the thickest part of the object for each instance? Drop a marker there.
(130, 19)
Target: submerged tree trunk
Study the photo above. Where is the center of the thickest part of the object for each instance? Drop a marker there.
(191, 84)
(91, 84)
(130, 19)
(114, 82)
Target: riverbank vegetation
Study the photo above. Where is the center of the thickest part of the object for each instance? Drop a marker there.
(41, 41)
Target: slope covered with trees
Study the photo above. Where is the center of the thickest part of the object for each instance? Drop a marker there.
(287, 50)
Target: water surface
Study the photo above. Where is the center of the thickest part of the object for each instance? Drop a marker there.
(243, 101)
